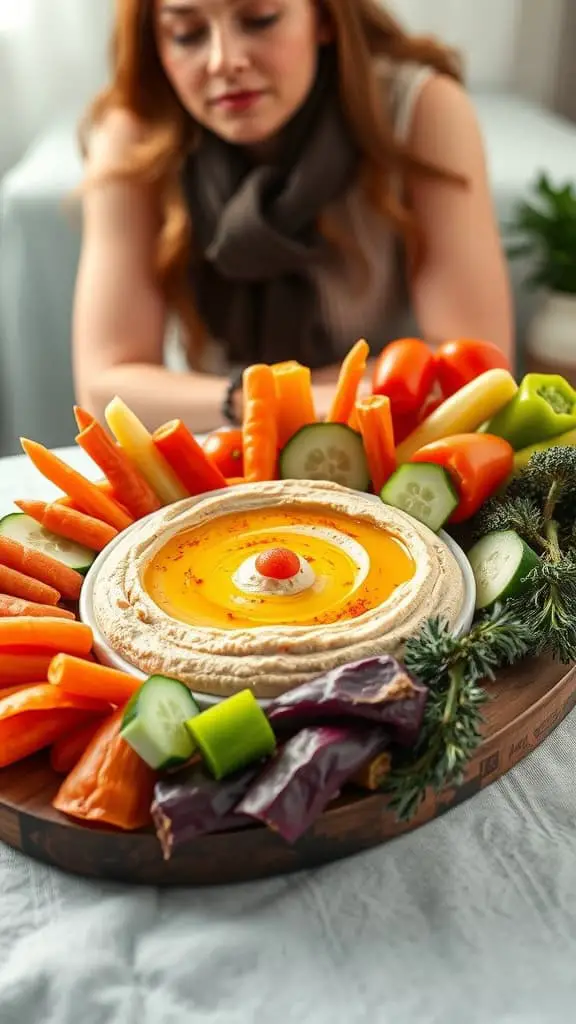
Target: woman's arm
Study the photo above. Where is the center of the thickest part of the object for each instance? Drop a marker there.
(119, 312)
(461, 288)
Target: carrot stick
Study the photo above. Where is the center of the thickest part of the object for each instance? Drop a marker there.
(126, 480)
(110, 783)
(41, 566)
(294, 399)
(51, 634)
(233, 480)
(66, 522)
(89, 497)
(83, 418)
(187, 458)
(16, 668)
(15, 606)
(91, 680)
(259, 428)
(7, 691)
(351, 373)
(376, 428)
(16, 584)
(68, 749)
(137, 442)
(33, 730)
(44, 697)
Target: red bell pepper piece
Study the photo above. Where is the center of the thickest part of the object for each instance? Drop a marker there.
(477, 463)
(460, 361)
(405, 372)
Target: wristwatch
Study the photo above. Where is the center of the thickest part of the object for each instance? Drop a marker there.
(234, 385)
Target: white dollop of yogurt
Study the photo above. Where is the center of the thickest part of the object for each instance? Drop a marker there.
(248, 579)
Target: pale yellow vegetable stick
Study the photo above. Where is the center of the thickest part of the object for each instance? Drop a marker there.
(137, 442)
(463, 412)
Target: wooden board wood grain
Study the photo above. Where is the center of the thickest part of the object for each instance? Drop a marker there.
(527, 704)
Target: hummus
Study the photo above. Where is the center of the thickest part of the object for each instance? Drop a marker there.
(180, 593)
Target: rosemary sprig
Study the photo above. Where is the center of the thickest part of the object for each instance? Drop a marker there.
(452, 668)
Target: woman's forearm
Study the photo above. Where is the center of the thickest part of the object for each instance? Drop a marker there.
(157, 394)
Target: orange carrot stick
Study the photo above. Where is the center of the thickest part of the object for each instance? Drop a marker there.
(33, 730)
(351, 373)
(7, 691)
(294, 399)
(44, 697)
(233, 480)
(51, 634)
(41, 566)
(187, 458)
(91, 680)
(89, 497)
(17, 584)
(260, 427)
(377, 430)
(16, 668)
(83, 417)
(66, 522)
(68, 749)
(126, 480)
(13, 607)
(110, 783)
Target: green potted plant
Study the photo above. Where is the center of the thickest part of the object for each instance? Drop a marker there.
(544, 229)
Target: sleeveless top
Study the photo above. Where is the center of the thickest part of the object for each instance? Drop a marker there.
(352, 308)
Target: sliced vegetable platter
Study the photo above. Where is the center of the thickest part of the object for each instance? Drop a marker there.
(103, 774)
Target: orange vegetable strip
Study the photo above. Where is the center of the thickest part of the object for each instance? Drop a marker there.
(33, 730)
(44, 697)
(375, 419)
(83, 418)
(68, 749)
(354, 422)
(16, 606)
(259, 428)
(53, 634)
(7, 691)
(137, 442)
(66, 522)
(110, 783)
(294, 399)
(187, 458)
(16, 668)
(89, 497)
(127, 481)
(41, 566)
(351, 373)
(17, 584)
(91, 680)
(233, 480)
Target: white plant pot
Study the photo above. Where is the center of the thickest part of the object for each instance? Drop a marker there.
(551, 339)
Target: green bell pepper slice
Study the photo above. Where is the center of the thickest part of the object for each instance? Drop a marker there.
(544, 406)
(232, 734)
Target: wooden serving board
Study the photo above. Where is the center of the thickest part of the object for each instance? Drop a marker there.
(528, 702)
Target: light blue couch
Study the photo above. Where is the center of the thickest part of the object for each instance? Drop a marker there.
(40, 239)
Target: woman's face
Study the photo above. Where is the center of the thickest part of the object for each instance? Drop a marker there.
(242, 68)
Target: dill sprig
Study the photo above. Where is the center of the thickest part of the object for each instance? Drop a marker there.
(452, 668)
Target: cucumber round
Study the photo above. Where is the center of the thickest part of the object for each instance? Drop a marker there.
(25, 529)
(500, 562)
(326, 451)
(423, 490)
(154, 722)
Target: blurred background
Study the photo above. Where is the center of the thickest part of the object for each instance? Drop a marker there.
(520, 67)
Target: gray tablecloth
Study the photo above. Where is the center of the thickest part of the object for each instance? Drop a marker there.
(470, 920)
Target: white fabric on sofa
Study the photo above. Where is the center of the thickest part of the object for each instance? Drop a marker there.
(40, 239)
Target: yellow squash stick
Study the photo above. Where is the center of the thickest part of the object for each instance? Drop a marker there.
(137, 442)
(463, 412)
(294, 399)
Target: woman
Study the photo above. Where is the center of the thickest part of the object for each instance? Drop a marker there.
(261, 169)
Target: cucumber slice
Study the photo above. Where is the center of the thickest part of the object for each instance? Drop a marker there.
(326, 451)
(500, 562)
(154, 722)
(27, 531)
(424, 490)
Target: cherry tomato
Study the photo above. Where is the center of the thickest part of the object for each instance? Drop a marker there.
(404, 372)
(477, 463)
(460, 361)
(278, 563)
(224, 446)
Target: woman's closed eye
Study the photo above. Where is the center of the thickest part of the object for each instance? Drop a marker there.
(248, 23)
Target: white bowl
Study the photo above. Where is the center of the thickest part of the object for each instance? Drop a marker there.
(108, 656)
